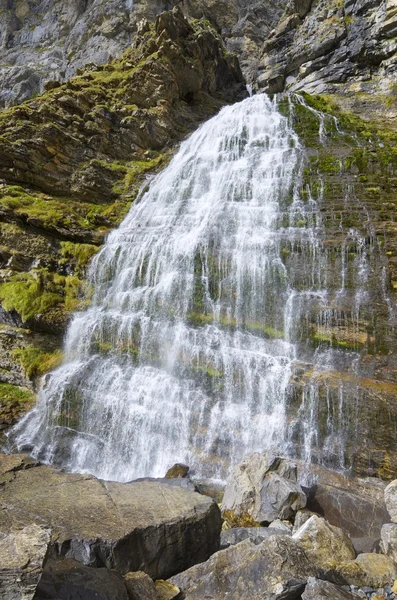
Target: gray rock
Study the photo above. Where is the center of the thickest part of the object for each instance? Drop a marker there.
(282, 525)
(154, 527)
(323, 542)
(388, 542)
(265, 487)
(324, 590)
(256, 534)
(69, 580)
(301, 517)
(276, 569)
(391, 500)
(22, 555)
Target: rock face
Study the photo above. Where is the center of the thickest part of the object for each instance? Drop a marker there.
(277, 569)
(265, 487)
(323, 542)
(22, 555)
(391, 500)
(332, 47)
(156, 528)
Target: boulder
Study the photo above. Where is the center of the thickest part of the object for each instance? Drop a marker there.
(317, 589)
(153, 527)
(356, 505)
(256, 534)
(22, 554)
(283, 525)
(276, 569)
(69, 580)
(265, 487)
(323, 542)
(388, 543)
(166, 590)
(140, 586)
(391, 500)
(368, 570)
(301, 517)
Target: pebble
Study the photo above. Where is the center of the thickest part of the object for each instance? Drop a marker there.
(371, 593)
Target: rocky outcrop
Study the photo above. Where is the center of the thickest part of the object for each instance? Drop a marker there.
(276, 569)
(333, 47)
(147, 526)
(22, 555)
(265, 487)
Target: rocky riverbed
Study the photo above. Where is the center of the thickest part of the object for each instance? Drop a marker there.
(70, 536)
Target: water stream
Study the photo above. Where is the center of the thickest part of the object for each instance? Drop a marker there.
(188, 350)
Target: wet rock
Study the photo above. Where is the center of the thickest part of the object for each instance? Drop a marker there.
(388, 542)
(265, 487)
(140, 586)
(69, 580)
(177, 471)
(323, 542)
(324, 590)
(256, 534)
(22, 555)
(149, 526)
(391, 500)
(276, 569)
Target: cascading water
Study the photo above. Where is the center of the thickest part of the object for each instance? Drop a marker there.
(188, 350)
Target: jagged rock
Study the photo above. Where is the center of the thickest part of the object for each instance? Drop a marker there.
(281, 525)
(388, 542)
(276, 569)
(256, 534)
(324, 590)
(391, 500)
(140, 586)
(67, 579)
(22, 555)
(265, 487)
(149, 526)
(323, 542)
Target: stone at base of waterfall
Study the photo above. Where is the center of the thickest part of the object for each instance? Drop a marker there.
(256, 534)
(69, 579)
(178, 470)
(22, 554)
(276, 569)
(323, 542)
(301, 517)
(391, 500)
(388, 544)
(265, 487)
(140, 586)
(367, 570)
(317, 589)
(153, 527)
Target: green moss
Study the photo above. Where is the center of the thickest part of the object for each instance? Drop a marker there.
(36, 362)
(80, 254)
(11, 395)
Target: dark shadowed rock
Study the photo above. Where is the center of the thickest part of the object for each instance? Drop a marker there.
(69, 580)
(177, 471)
(265, 487)
(324, 590)
(148, 526)
(276, 569)
(256, 534)
(22, 555)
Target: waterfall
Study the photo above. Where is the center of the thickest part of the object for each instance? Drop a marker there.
(188, 350)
